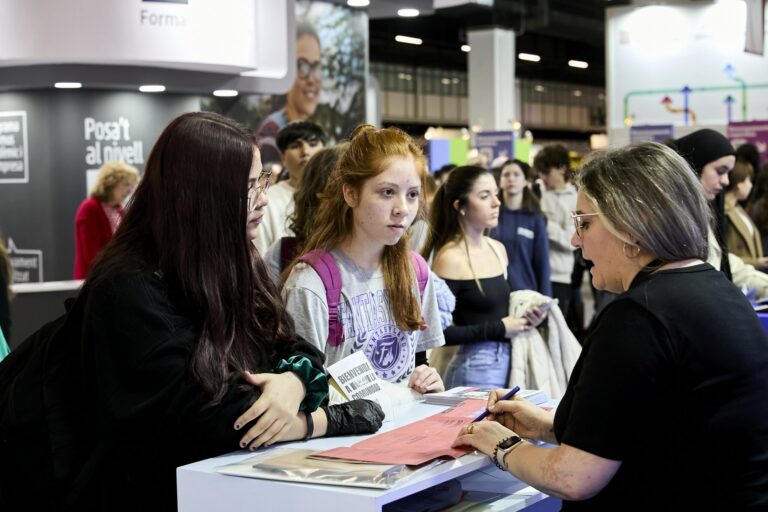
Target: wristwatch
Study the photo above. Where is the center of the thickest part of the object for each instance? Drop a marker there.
(502, 449)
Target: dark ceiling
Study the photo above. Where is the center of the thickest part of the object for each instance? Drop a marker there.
(557, 30)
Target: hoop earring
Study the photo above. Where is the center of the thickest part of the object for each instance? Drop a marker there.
(636, 249)
(463, 213)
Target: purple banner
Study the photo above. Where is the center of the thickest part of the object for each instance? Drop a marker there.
(495, 145)
(752, 132)
(652, 133)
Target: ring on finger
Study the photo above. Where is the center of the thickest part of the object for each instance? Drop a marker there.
(470, 428)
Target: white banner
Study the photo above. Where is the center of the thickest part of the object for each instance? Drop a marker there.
(228, 36)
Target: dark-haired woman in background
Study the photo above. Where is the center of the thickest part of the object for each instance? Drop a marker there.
(743, 236)
(474, 267)
(712, 158)
(523, 231)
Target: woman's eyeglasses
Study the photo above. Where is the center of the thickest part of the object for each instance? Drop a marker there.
(258, 187)
(577, 222)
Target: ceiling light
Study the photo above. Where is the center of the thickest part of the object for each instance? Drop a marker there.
(152, 88)
(225, 93)
(408, 13)
(529, 57)
(539, 88)
(577, 93)
(445, 81)
(578, 64)
(67, 85)
(408, 40)
(455, 80)
(404, 76)
(358, 3)
(466, 48)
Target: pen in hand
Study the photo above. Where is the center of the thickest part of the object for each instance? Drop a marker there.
(486, 412)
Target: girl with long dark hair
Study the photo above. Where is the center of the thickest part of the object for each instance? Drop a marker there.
(474, 267)
(186, 349)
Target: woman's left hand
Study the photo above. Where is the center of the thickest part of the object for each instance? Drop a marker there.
(535, 316)
(425, 379)
(276, 408)
(483, 435)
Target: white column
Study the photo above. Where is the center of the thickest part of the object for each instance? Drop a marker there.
(492, 79)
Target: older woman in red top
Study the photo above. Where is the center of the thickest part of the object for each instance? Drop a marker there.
(98, 216)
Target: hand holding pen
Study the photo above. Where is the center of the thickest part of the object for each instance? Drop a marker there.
(507, 396)
(521, 416)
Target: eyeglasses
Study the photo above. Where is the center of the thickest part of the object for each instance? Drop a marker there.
(577, 223)
(305, 67)
(258, 187)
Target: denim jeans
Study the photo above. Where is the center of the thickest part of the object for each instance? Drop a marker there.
(483, 364)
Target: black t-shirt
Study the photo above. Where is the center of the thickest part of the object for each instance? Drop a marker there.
(673, 382)
(478, 314)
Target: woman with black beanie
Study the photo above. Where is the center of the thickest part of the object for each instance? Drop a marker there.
(712, 157)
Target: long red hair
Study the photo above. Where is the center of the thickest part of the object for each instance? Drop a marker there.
(366, 157)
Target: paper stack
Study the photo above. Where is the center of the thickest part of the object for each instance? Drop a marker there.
(458, 394)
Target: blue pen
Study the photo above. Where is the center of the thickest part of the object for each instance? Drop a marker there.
(486, 412)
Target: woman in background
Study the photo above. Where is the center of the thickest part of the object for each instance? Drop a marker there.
(711, 156)
(473, 265)
(743, 235)
(522, 230)
(99, 216)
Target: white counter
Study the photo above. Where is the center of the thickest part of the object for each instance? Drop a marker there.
(201, 488)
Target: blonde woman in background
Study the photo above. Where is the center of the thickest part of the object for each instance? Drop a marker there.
(99, 216)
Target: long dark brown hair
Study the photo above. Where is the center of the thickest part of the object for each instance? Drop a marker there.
(187, 220)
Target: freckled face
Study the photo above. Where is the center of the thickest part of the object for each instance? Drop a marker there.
(387, 203)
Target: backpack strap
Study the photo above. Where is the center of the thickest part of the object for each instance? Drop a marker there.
(422, 271)
(325, 265)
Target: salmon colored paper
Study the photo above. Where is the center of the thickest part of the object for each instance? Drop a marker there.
(415, 443)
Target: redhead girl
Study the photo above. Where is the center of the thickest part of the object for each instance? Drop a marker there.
(372, 197)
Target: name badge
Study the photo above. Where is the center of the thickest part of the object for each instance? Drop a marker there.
(527, 233)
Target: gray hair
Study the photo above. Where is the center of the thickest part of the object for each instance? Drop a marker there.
(649, 192)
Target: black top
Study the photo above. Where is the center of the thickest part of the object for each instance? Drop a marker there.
(146, 413)
(478, 315)
(673, 382)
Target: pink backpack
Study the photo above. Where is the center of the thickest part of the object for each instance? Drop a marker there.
(326, 267)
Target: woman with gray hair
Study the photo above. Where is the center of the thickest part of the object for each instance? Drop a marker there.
(668, 397)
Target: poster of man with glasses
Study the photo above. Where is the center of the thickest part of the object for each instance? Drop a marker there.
(329, 86)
